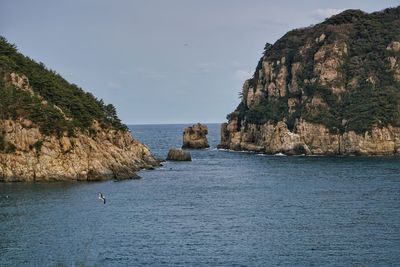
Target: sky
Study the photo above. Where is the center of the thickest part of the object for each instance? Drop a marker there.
(161, 61)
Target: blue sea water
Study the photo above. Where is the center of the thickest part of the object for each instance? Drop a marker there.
(222, 209)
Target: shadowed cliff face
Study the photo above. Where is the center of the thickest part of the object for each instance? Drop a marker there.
(333, 88)
(53, 130)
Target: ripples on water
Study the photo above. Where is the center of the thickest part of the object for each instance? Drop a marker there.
(223, 208)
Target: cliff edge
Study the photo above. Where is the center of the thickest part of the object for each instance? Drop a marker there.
(331, 88)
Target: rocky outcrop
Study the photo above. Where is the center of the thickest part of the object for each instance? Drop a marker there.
(109, 154)
(309, 139)
(195, 136)
(178, 155)
(325, 89)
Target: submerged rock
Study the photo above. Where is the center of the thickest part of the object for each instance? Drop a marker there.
(177, 154)
(195, 136)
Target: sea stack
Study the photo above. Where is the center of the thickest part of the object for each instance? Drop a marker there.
(327, 89)
(195, 136)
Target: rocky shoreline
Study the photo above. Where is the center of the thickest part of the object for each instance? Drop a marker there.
(309, 139)
(109, 154)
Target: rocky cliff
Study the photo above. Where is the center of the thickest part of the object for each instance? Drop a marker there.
(331, 88)
(53, 130)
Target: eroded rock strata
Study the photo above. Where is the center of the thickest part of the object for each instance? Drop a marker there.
(308, 138)
(37, 157)
(333, 88)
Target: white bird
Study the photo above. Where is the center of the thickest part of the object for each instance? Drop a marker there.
(103, 198)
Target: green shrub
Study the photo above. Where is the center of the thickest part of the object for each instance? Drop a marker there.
(38, 145)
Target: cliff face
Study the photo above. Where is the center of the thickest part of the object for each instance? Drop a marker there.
(309, 138)
(333, 88)
(53, 130)
(37, 157)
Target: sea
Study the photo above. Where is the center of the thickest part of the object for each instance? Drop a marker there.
(221, 209)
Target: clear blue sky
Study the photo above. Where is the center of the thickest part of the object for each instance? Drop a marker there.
(160, 61)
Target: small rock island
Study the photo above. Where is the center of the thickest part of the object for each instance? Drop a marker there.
(177, 154)
(195, 136)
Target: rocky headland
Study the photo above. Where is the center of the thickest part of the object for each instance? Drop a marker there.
(51, 130)
(332, 88)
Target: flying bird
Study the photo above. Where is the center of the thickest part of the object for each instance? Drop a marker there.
(103, 198)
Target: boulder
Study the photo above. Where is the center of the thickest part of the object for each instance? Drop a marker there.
(176, 154)
(195, 136)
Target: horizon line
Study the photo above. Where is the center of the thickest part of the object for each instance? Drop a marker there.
(172, 123)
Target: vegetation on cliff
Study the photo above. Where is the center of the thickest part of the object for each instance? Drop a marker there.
(49, 101)
(342, 73)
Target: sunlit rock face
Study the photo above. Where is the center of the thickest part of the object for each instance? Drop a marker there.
(111, 154)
